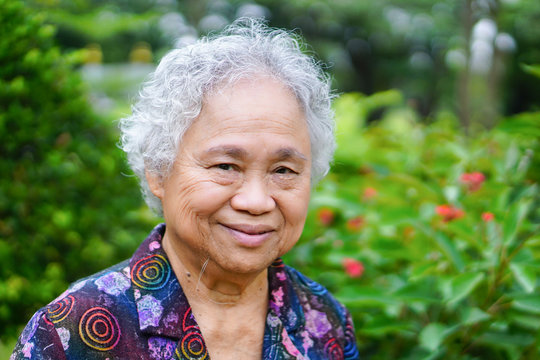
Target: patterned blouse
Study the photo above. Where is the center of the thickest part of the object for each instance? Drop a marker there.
(137, 310)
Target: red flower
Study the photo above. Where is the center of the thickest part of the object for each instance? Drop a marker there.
(353, 267)
(473, 180)
(355, 224)
(488, 216)
(325, 216)
(449, 213)
(370, 193)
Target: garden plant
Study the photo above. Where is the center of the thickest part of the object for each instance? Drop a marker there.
(430, 237)
(66, 208)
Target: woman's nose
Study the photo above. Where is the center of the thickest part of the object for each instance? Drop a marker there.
(253, 197)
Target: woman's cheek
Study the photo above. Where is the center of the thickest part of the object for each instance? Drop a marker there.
(286, 181)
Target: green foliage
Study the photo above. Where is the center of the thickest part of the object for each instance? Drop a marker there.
(66, 210)
(116, 27)
(525, 128)
(531, 69)
(450, 261)
(423, 47)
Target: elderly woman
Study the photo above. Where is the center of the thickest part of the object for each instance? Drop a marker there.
(228, 137)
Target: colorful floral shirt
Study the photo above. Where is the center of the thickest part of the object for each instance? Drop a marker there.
(137, 310)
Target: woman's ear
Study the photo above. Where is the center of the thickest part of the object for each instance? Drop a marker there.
(155, 182)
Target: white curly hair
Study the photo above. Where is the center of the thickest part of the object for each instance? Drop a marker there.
(172, 97)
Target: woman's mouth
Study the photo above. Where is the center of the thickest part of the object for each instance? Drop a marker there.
(249, 235)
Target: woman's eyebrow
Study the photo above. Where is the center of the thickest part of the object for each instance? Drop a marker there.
(236, 152)
(229, 150)
(289, 153)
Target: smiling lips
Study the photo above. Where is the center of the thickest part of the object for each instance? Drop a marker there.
(249, 235)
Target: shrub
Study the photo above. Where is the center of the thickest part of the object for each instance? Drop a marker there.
(65, 209)
(431, 238)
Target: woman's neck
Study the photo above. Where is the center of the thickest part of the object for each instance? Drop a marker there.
(205, 282)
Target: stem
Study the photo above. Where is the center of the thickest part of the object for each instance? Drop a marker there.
(492, 310)
(496, 306)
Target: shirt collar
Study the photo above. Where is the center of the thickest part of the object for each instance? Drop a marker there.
(163, 308)
(284, 302)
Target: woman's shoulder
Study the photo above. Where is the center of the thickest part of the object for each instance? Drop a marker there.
(315, 320)
(114, 281)
(290, 286)
(316, 294)
(85, 301)
(105, 289)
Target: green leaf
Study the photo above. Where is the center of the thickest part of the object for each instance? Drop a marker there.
(420, 271)
(503, 340)
(525, 124)
(365, 296)
(445, 244)
(525, 276)
(462, 285)
(529, 304)
(417, 291)
(526, 320)
(449, 248)
(350, 115)
(381, 326)
(383, 98)
(531, 69)
(513, 221)
(432, 336)
(406, 180)
(435, 354)
(473, 315)
(333, 201)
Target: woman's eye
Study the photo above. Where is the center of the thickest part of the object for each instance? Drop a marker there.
(284, 170)
(225, 167)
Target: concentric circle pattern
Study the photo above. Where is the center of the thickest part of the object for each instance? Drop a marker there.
(350, 350)
(333, 350)
(192, 347)
(151, 272)
(99, 329)
(61, 309)
(189, 322)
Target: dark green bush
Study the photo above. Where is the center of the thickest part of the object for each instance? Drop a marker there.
(66, 210)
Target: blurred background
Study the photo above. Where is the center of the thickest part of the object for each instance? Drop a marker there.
(428, 226)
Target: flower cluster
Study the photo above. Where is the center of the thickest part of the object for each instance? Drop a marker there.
(449, 212)
(473, 180)
(353, 267)
(325, 216)
(355, 224)
(488, 216)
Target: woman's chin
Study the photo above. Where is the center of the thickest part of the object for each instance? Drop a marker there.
(241, 265)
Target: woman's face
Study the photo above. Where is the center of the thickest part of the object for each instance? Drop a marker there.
(239, 189)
